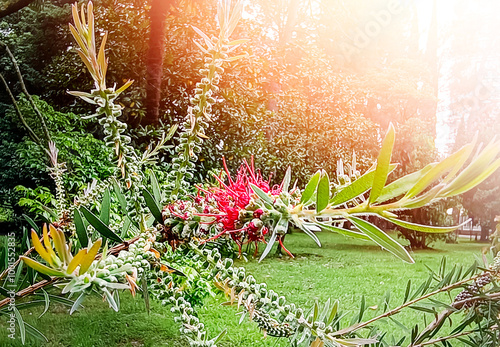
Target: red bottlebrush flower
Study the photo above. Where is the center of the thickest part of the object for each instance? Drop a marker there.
(232, 197)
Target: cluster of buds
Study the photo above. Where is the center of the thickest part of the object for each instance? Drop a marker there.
(216, 51)
(182, 220)
(271, 326)
(163, 288)
(103, 97)
(474, 289)
(267, 308)
(198, 116)
(56, 173)
(477, 286)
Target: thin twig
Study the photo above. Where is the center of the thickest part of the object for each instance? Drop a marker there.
(25, 91)
(431, 342)
(399, 308)
(454, 307)
(29, 290)
(31, 133)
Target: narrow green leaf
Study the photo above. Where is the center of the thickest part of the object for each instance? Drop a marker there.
(333, 313)
(77, 303)
(121, 198)
(125, 228)
(101, 228)
(324, 311)
(32, 224)
(425, 228)
(402, 185)
(398, 323)
(31, 331)
(383, 164)
(81, 230)
(381, 238)
(362, 309)
(220, 336)
(316, 310)
(262, 195)
(422, 199)
(356, 188)
(437, 171)
(456, 189)
(155, 187)
(307, 228)
(153, 205)
(111, 301)
(323, 193)
(423, 309)
(46, 301)
(310, 189)
(42, 268)
(50, 211)
(286, 181)
(343, 231)
(467, 152)
(270, 243)
(407, 292)
(105, 207)
(20, 323)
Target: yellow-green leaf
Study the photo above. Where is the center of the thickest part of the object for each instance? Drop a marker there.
(77, 259)
(42, 268)
(90, 256)
(310, 188)
(383, 163)
(323, 193)
(39, 247)
(59, 243)
(381, 238)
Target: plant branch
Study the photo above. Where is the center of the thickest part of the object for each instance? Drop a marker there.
(39, 285)
(29, 290)
(25, 91)
(431, 342)
(409, 303)
(31, 133)
(455, 306)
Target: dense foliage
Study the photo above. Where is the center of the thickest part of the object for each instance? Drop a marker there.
(129, 231)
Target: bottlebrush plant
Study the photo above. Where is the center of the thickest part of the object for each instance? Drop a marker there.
(158, 244)
(249, 210)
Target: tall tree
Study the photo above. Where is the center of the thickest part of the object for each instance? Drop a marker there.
(154, 64)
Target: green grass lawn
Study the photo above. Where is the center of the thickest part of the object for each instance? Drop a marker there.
(342, 269)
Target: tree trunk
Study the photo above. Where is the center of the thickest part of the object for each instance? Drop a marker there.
(154, 63)
(485, 232)
(10, 6)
